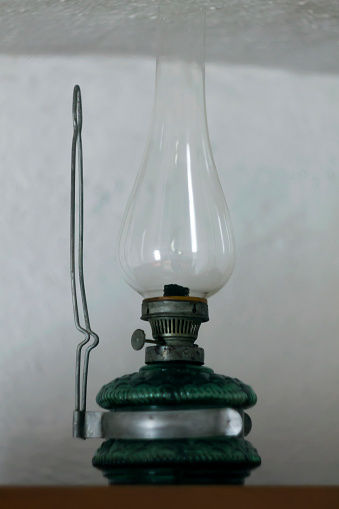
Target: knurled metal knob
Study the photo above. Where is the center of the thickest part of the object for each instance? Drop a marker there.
(138, 339)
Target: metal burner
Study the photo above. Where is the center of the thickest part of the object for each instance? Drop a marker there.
(175, 323)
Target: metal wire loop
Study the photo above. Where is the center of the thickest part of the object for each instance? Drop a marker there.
(80, 389)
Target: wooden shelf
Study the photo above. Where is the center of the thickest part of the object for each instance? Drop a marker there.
(171, 497)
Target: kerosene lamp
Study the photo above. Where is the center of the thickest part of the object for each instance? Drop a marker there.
(174, 421)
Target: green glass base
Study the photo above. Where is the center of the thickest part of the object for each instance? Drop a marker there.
(212, 460)
(175, 384)
(222, 460)
(176, 476)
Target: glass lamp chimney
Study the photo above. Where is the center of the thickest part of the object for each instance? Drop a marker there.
(176, 228)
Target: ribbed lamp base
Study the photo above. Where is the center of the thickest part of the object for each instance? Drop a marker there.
(199, 460)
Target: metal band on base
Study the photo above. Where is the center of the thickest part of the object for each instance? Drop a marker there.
(169, 424)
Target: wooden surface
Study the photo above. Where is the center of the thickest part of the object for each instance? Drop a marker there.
(172, 497)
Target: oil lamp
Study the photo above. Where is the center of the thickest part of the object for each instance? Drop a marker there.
(174, 421)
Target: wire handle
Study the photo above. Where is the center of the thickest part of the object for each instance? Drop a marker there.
(80, 389)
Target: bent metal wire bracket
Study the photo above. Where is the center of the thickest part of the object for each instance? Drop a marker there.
(77, 163)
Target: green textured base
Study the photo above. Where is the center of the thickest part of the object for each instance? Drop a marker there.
(224, 460)
(192, 475)
(175, 384)
(212, 460)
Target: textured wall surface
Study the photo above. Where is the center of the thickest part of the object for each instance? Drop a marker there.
(275, 138)
(301, 35)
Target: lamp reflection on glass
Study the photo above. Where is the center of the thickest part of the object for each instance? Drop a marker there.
(174, 421)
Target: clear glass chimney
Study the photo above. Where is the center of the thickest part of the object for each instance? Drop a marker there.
(177, 228)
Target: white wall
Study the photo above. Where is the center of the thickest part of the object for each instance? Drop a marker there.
(275, 138)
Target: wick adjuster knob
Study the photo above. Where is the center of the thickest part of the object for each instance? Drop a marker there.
(138, 339)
